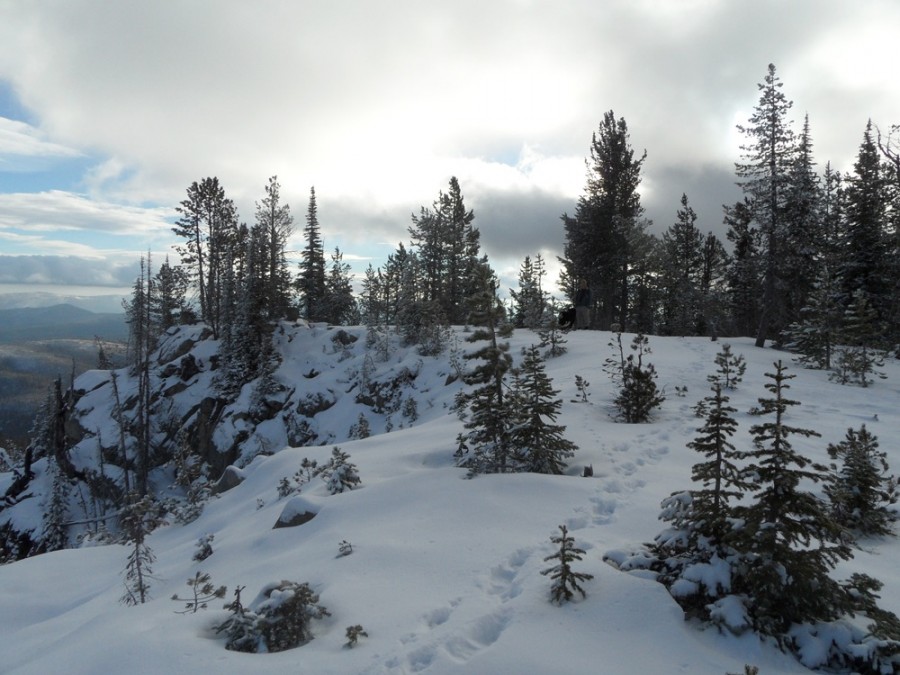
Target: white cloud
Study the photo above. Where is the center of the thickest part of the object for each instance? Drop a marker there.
(378, 104)
(25, 149)
(55, 211)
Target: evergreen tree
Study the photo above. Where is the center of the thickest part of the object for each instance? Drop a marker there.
(169, 300)
(276, 224)
(638, 395)
(137, 520)
(731, 368)
(338, 305)
(208, 224)
(485, 446)
(858, 359)
(815, 334)
(743, 279)
(565, 580)
(552, 335)
(788, 542)
(55, 513)
(600, 237)
(447, 245)
(862, 490)
(530, 300)
(714, 265)
(765, 173)
(683, 273)
(311, 282)
(802, 226)
(720, 476)
(537, 439)
(866, 253)
(339, 472)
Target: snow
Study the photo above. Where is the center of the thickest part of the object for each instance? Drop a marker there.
(444, 573)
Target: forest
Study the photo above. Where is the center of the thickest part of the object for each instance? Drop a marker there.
(810, 260)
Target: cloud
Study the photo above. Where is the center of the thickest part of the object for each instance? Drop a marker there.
(67, 270)
(19, 140)
(378, 104)
(57, 211)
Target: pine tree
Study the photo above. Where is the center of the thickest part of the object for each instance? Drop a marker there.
(169, 300)
(638, 394)
(485, 446)
(862, 490)
(743, 278)
(551, 334)
(137, 520)
(276, 224)
(311, 282)
(858, 359)
(339, 472)
(208, 224)
(55, 531)
(815, 334)
(866, 255)
(530, 300)
(565, 580)
(537, 441)
(601, 237)
(765, 171)
(731, 368)
(447, 245)
(720, 476)
(338, 306)
(788, 542)
(683, 273)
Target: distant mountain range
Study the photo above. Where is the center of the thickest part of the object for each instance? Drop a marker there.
(62, 321)
(18, 299)
(37, 344)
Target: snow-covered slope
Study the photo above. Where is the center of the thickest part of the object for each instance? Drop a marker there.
(444, 573)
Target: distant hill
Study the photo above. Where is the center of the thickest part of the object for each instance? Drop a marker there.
(37, 344)
(59, 322)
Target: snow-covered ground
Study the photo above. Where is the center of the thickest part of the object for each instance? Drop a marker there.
(444, 573)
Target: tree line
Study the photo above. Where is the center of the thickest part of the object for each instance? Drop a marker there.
(811, 262)
(813, 257)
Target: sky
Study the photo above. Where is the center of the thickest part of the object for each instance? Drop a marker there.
(445, 574)
(109, 111)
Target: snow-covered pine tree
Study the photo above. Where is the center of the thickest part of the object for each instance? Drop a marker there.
(537, 440)
(692, 552)
(565, 579)
(787, 540)
(862, 490)
(719, 477)
(339, 472)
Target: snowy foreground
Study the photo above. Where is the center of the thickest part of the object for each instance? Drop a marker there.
(444, 573)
